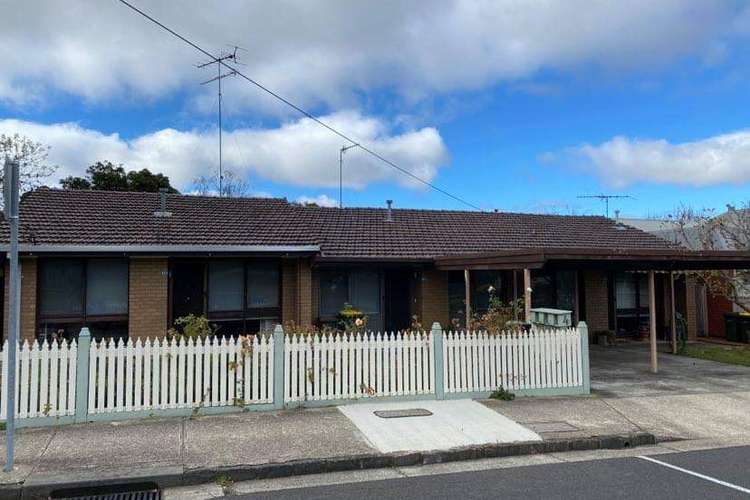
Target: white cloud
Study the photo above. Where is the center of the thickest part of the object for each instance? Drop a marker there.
(298, 152)
(330, 52)
(322, 200)
(622, 161)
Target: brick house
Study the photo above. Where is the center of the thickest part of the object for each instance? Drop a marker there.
(128, 264)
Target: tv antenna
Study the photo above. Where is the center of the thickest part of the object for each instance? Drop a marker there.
(223, 56)
(605, 198)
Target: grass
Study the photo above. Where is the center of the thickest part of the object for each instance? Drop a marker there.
(732, 355)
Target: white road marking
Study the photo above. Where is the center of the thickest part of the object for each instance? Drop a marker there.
(697, 474)
(452, 423)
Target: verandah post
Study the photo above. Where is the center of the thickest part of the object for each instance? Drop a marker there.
(437, 346)
(278, 367)
(583, 331)
(82, 375)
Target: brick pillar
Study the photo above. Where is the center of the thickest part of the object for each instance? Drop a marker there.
(597, 300)
(690, 306)
(148, 297)
(304, 293)
(434, 298)
(289, 291)
(28, 299)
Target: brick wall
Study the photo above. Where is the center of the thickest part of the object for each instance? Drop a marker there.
(148, 297)
(433, 298)
(28, 299)
(597, 301)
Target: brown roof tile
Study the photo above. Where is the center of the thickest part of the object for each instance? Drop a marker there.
(54, 216)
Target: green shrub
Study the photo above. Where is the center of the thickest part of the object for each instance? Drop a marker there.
(503, 395)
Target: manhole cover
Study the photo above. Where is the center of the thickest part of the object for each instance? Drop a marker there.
(551, 427)
(412, 412)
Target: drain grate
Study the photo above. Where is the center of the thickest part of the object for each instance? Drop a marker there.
(411, 412)
(132, 491)
(551, 427)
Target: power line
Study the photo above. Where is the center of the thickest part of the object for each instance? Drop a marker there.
(297, 108)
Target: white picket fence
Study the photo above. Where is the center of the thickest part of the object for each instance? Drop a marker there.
(163, 374)
(45, 379)
(358, 365)
(537, 359)
(266, 371)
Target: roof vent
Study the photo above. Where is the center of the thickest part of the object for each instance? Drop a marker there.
(389, 213)
(162, 212)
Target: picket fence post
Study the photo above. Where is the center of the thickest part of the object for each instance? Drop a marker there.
(583, 330)
(278, 367)
(82, 375)
(437, 348)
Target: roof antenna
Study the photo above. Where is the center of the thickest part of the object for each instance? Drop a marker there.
(223, 56)
(389, 214)
(605, 198)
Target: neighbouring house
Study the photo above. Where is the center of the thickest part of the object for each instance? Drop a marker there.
(128, 264)
(709, 308)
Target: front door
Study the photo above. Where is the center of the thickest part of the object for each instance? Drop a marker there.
(188, 289)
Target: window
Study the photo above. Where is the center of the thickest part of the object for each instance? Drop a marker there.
(74, 293)
(225, 291)
(334, 292)
(238, 296)
(262, 285)
(107, 287)
(61, 288)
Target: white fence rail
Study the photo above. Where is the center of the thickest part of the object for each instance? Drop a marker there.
(537, 359)
(45, 379)
(358, 365)
(85, 380)
(164, 374)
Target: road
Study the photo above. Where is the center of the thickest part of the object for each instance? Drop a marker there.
(715, 474)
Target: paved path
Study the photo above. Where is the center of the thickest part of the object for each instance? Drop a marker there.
(715, 474)
(452, 424)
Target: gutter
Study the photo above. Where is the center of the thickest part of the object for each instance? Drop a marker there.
(44, 248)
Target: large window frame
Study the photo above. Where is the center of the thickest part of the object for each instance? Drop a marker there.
(72, 322)
(245, 315)
(352, 292)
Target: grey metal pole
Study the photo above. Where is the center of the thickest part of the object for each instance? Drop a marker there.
(14, 296)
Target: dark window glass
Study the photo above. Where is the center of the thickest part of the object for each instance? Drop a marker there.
(107, 287)
(61, 288)
(543, 290)
(334, 292)
(225, 285)
(262, 285)
(366, 291)
(457, 297)
(566, 290)
(481, 281)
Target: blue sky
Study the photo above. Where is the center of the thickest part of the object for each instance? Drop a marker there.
(518, 106)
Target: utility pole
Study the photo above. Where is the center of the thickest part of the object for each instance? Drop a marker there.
(10, 209)
(343, 150)
(219, 76)
(605, 198)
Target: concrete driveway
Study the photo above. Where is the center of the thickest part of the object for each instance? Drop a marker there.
(624, 371)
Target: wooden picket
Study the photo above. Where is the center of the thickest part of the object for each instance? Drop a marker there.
(526, 360)
(358, 365)
(45, 379)
(167, 374)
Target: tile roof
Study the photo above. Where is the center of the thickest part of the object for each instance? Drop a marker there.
(55, 216)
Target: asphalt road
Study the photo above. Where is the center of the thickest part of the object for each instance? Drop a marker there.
(616, 478)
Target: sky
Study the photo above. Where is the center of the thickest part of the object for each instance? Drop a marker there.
(513, 105)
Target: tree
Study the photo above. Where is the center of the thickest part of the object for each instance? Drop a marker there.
(106, 176)
(32, 159)
(701, 230)
(232, 185)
